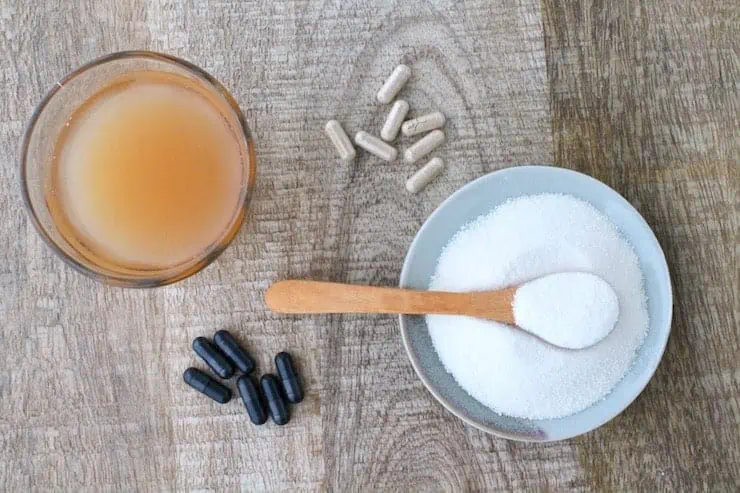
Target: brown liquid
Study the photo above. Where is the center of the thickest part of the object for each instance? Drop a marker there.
(147, 173)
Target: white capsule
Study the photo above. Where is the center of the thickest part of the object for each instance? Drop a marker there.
(340, 140)
(424, 123)
(375, 146)
(395, 118)
(424, 146)
(394, 84)
(425, 175)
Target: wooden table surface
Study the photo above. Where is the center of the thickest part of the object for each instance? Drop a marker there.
(641, 94)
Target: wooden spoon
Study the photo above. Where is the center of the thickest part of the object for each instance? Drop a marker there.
(332, 297)
(569, 310)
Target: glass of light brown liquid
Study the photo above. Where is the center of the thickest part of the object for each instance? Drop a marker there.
(137, 169)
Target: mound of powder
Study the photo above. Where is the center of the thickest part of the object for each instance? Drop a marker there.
(509, 370)
(571, 310)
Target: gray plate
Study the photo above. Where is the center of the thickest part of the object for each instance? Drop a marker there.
(479, 197)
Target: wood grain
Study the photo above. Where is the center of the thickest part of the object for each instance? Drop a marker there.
(645, 98)
(641, 94)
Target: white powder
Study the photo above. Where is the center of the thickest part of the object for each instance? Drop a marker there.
(572, 310)
(509, 370)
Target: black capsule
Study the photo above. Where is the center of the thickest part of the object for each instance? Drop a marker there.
(228, 345)
(206, 385)
(213, 357)
(289, 378)
(252, 400)
(275, 404)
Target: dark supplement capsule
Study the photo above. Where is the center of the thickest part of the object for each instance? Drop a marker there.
(275, 405)
(228, 345)
(213, 357)
(289, 377)
(252, 400)
(206, 385)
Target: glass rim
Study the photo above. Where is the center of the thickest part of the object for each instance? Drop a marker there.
(177, 272)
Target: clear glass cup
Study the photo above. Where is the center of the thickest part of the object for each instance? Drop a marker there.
(41, 137)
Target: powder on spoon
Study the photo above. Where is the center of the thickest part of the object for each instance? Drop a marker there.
(513, 372)
(572, 310)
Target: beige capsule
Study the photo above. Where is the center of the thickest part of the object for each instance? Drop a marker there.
(423, 123)
(424, 146)
(425, 175)
(375, 146)
(394, 84)
(340, 139)
(392, 124)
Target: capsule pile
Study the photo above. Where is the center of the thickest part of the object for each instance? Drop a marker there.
(430, 123)
(224, 355)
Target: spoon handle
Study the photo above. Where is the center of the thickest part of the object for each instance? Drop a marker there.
(330, 297)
